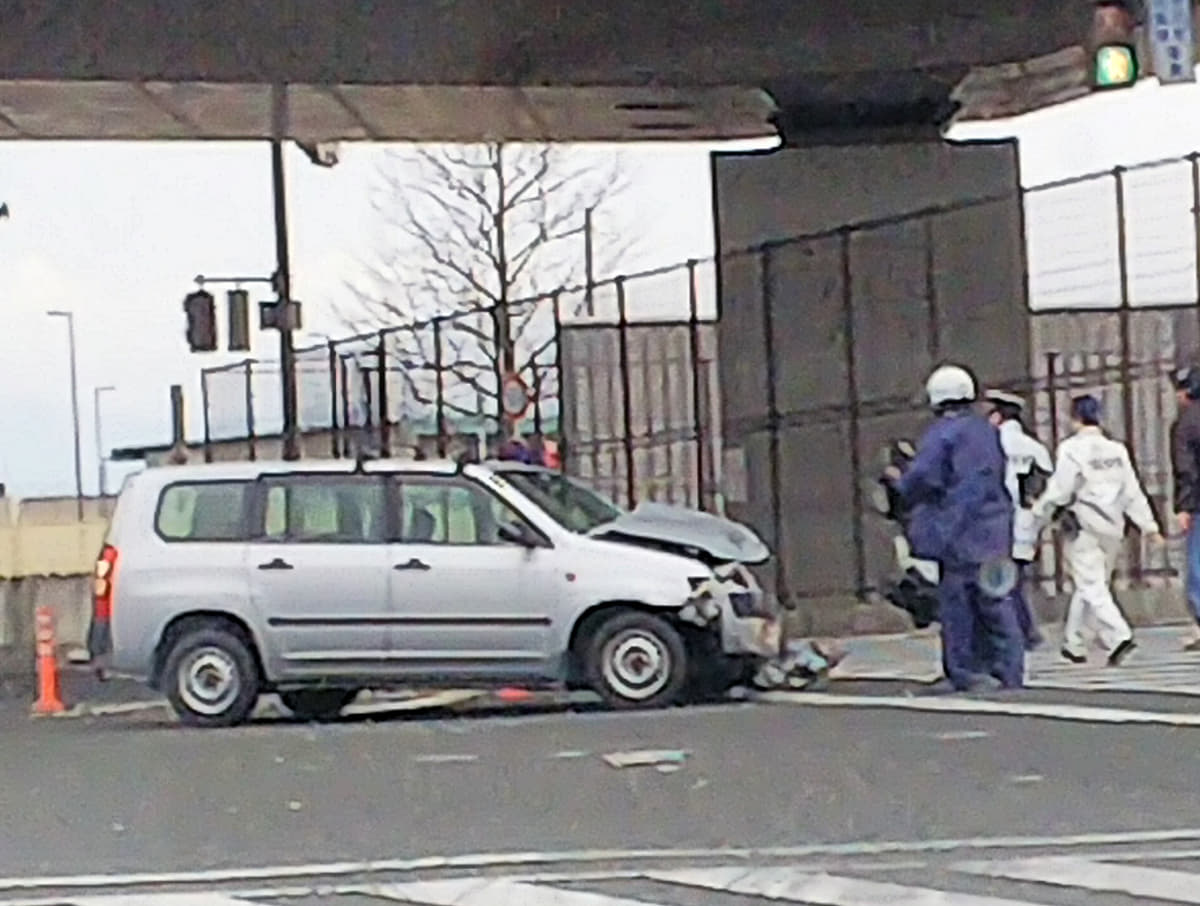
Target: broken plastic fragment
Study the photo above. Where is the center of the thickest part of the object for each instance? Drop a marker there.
(645, 757)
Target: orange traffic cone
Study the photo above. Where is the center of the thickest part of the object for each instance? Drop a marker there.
(49, 700)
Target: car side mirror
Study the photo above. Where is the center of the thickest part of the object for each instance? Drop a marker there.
(516, 533)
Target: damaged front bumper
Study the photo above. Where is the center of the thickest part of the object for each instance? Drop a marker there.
(733, 603)
(750, 626)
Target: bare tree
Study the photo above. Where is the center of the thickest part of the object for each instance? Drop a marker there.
(479, 237)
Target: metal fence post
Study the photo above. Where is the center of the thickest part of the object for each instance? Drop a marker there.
(626, 391)
(385, 427)
(335, 431)
(251, 440)
(204, 403)
(933, 339)
(344, 374)
(697, 385)
(767, 293)
(1052, 391)
(1124, 316)
(560, 369)
(440, 405)
(849, 348)
(498, 334)
(535, 387)
(364, 375)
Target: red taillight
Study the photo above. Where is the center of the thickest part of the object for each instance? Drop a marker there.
(106, 574)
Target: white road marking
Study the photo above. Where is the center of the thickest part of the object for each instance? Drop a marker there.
(594, 856)
(955, 705)
(956, 735)
(258, 894)
(1085, 874)
(798, 886)
(161, 899)
(434, 700)
(445, 759)
(494, 892)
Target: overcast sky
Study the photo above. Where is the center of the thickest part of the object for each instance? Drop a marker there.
(116, 232)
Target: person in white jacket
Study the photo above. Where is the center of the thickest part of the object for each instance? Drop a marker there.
(1094, 481)
(1027, 466)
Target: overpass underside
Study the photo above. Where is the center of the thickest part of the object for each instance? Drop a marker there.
(860, 90)
(463, 70)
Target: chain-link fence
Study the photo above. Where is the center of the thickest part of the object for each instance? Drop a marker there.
(624, 373)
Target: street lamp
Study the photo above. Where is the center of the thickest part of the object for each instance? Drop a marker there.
(70, 319)
(101, 459)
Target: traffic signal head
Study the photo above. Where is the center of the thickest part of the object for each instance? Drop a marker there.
(239, 320)
(200, 310)
(1113, 46)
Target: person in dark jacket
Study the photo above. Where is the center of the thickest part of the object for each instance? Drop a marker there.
(961, 516)
(1185, 464)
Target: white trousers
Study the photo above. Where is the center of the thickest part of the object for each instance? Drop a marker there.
(1091, 560)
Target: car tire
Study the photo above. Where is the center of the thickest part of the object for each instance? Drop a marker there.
(211, 677)
(636, 660)
(317, 704)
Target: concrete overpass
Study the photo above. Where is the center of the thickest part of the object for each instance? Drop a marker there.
(462, 70)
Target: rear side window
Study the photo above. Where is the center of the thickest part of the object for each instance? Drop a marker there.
(316, 509)
(203, 511)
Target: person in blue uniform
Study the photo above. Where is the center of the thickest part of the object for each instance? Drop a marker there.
(961, 516)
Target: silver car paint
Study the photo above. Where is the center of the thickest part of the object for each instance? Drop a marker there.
(157, 581)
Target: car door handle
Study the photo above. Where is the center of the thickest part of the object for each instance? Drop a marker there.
(414, 563)
(277, 563)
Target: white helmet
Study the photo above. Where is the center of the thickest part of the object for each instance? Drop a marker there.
(950, 384)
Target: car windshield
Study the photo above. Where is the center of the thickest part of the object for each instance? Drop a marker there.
(571, 504)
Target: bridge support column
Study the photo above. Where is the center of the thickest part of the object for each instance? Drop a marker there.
(865, 265)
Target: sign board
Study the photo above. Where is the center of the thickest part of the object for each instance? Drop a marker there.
(514, 398)
(1172, 34)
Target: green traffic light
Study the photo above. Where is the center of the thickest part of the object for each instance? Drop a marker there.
(1116, 66)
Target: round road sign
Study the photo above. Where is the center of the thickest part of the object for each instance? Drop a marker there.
(515, 397)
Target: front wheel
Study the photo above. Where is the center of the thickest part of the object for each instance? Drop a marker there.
(211, 678)
(317, 704)
(636, 660)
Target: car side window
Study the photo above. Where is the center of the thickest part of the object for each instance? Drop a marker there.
(202, 511)
(329, 509)
(434, 510)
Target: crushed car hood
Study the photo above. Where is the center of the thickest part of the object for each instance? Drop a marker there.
(722, 539)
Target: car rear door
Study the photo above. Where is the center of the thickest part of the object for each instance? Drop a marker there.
(319, 573)
(465, 603)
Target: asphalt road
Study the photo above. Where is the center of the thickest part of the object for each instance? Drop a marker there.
(139, 794)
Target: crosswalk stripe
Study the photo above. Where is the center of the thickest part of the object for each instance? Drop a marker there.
(494, 892)
(1098, 877)
(799, 886)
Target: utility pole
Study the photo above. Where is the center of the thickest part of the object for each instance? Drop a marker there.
(283, 277)
(69, 317)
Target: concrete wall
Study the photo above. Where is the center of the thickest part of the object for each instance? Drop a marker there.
(46, 559)
(858, 319)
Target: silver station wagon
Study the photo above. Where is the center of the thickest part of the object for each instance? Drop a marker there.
(315, 580)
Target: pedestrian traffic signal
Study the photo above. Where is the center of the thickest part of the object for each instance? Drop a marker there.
(1114, 46)
(238, 301)
(200, 309)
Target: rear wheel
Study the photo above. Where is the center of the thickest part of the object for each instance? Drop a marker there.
(211, 677)
(636, 660)
(317, 704)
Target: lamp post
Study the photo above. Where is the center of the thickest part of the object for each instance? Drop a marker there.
(70, 319)
(101, 459)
